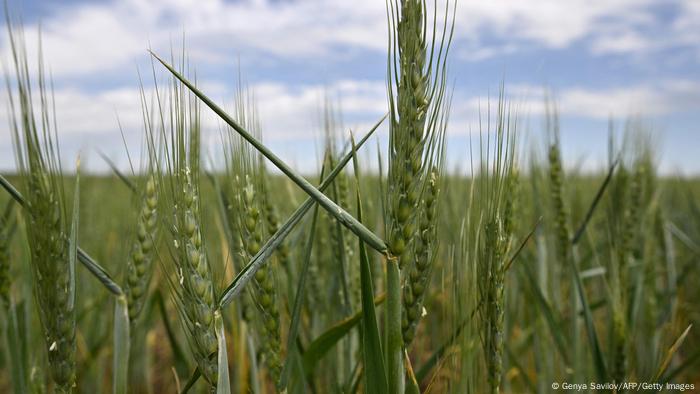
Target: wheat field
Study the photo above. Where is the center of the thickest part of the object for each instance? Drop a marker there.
(230, 271)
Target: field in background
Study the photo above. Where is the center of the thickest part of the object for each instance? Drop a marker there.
(527, 276)
(107, 218)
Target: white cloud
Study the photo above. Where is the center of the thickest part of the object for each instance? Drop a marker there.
(89, 40)
(550, 22)
(615, 26)
(292, 113)
(626, 41)
(88, 120)
(94, 37)
(651, 100)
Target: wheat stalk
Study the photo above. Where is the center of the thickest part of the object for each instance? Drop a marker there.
(191, 280)
(416, 71)
(46, 215)
(254, 218)
(497, 174)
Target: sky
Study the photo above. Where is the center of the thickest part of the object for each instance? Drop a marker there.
(636, 62)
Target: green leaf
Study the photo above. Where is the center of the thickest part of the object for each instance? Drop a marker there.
(191, 381)
(393, 327)
(73, 241)
(331, 207)
(246, 274)
(298, 301)
(122, 344)
(412, 386)
(178, 353)
(341, 256)
(522, 244)
(375, 373)
(686, 363)
(598, 360)
(300, 385)
(671, 351)
(127, 182)
(324, 342)
(88, 262)
(594, 204)
(548, 314)
(223, 384)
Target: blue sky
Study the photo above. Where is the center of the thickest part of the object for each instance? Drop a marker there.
(620, 58)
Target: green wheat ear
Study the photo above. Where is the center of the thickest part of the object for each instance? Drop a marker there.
(245, 166)
(557, 198)
(416, 89)
(425, 245)
(417, 73)
(190, 276)
(140, 262)
(425, 252)
(51, 247)
(497, 175)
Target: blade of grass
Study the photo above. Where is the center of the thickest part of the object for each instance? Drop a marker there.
(671, 352)
(683, 237)
(358, 377)
(333, 209)
(394, 351)
(375, 373)
(223, 384)
(522, 244)
(598, 359)
(246, 274)
(253, 372)
(122, 346)
(88, 262)
(98, 272)
(324, 342)
(191, 381)
(127, 182)
(411, 382)
(689, 361)
(350, 385)
(73, 239)
(594, 204)
(342, 259)
(548, 314)
(179, 355)
(298, 301)
(301, 385)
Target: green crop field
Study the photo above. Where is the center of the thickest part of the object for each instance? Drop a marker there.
(232, 272)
